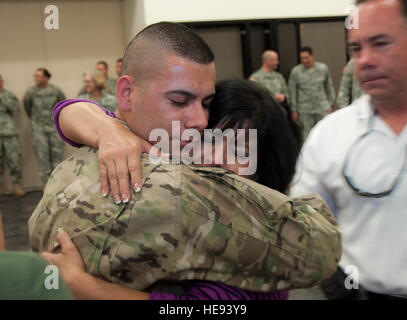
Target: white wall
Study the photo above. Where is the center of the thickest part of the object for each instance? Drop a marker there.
(133, 13)
(212, 10)
(89, 31)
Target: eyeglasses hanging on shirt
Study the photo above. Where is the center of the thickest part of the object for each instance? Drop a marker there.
(373, 167)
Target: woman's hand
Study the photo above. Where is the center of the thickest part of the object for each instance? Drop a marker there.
(82, 284)
(119, 160)
(69, 261)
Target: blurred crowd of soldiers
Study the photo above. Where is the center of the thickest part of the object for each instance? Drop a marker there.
(39, 100)
(310, 94)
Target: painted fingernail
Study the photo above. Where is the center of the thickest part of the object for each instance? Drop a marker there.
(104, 193)
(125, 198)
(117, 199)
(137, 188)
(59, 230)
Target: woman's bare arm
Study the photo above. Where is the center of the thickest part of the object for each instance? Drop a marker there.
(83, 285)
(119, 149)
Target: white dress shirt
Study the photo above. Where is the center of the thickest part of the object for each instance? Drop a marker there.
(374, 229)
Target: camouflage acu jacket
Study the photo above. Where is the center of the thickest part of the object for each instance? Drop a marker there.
(188, 223)
(106, 100)
(273, 81)
(349, 89)
(39, 102)
(311, 90)
(8, 104)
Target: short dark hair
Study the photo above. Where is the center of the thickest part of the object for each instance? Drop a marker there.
(119, 60)
(104, 63)
(45, 72)
(403, 5)
(243, 103)
(173, 37)
(306, 49)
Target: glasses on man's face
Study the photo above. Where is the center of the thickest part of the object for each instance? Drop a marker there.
(370, 164)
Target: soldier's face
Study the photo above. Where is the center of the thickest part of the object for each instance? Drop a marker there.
(182, 92)
(39, 78)
(274, 62)
(102, 68)
(307, 59)
(379, 49)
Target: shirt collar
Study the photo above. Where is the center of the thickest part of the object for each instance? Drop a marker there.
(365, 110)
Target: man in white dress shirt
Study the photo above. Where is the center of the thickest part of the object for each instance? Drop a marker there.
(356, 158)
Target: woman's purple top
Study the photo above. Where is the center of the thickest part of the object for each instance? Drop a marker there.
(194, 289)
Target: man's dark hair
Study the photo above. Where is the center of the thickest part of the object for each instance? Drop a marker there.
(306, 49)
(104, 63)
(45, 72)
(244, 104)
(149, 44)
(119, 60)
(403, 5)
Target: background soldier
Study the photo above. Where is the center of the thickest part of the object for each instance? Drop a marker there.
(271, 79)
(349, 90)
(95, 84)
(9, 139)
(39, 101)
(110, 83)
(311, 91)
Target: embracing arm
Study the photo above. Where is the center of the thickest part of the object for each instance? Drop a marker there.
(82, 122)
(85, 122)
(83, 285)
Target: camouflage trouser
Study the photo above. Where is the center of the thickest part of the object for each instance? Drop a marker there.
(49, 147)
(12, 151)
(308, 121)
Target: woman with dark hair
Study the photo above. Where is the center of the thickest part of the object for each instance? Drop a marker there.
(245, 104)
(239, 104)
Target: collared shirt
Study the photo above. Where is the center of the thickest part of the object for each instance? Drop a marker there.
(374, 229)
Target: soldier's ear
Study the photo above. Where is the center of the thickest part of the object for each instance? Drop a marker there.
(124, 88)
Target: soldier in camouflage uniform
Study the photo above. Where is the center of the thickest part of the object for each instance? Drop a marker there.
(349, 90)
(95, 85)
(311, 91)
(110, 83)
(39, 101)
(188, 223)
(270, 78)
(9, 139)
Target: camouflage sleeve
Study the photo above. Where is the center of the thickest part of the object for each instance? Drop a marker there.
(329, 88)
(284, 88)
(344, 93)
(292, 90)
(27, 101)
(60, 95)
(11, 103)
(253, 77)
